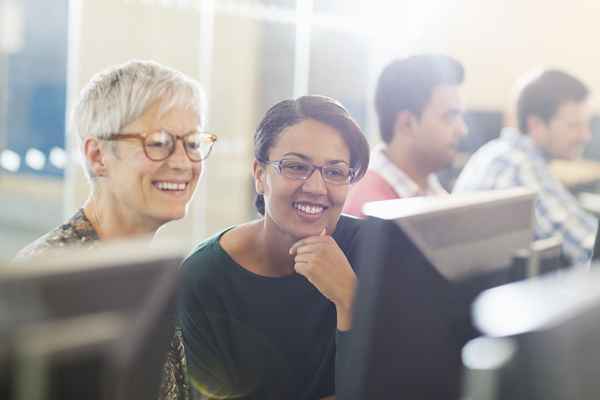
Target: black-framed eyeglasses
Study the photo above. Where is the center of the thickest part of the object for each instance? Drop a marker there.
(159, 145)
(338, 173)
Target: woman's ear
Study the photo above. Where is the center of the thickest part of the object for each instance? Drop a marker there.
(94, 155)
(258, 171)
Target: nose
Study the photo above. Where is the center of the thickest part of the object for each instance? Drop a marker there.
(462, 129)
(315, 183)
(179, 158)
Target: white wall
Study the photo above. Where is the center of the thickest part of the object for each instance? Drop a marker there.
(499, 41)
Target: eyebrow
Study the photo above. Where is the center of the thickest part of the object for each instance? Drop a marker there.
(197, 129)
(307, 158)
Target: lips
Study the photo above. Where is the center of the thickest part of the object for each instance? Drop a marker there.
(170, 186)
(309, 208)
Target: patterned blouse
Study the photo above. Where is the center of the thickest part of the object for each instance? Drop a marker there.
(78, 231)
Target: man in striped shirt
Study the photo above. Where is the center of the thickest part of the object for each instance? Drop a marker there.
(553, 122)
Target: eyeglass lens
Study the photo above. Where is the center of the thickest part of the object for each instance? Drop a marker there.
(160, 145)
(335, 173)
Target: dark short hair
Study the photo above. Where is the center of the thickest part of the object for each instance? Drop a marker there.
(320, 108)
(543, 94)
(407, 85)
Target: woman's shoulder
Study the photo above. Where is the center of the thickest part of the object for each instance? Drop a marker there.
(206, 249)
(211, 257)
(348, 226)
(227, 241)
(77, 231)
(219, 255)
(347, 235)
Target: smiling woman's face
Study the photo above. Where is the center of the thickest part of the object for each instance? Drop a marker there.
(149, 191)
(302, 208)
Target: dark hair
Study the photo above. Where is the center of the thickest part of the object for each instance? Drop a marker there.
(320, 108)
(407, 85)
(543, 95)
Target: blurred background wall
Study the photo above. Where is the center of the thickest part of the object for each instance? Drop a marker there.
(248, 54)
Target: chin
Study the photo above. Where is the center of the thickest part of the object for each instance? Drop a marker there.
(171, 216)
(177, 217)
(302, 235)
(301, 232)
(312, 230)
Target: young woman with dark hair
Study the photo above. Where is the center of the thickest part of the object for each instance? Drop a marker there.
(263, 304)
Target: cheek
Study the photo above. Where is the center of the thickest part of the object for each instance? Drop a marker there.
(138, 166)
(561, 144)
(147, 171)
(438, 135)
(278, 191)
(198, 171)
(448, 133)
(338, 195)
(570, 142)
(578, 138)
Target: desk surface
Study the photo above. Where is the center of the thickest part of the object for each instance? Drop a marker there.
(576, 173)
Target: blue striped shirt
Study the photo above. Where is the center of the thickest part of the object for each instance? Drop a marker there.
(515, 160)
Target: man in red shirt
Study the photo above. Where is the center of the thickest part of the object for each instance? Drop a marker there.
(420, 116)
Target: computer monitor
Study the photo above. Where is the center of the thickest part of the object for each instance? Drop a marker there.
(89, 323)
(544, 256)
(553, 325)
(592, 149)
(464, 233)
(483, 126)
(596, 250)
(421, 263)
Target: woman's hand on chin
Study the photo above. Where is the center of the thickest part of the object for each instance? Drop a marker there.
(320, 260)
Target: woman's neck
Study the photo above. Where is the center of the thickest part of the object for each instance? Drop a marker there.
(274, 246)
(112, 221)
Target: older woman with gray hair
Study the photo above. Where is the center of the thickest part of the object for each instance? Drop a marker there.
(130, 119)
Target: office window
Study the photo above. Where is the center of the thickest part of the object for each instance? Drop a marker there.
(33, 89)
(33, 64)
(339, 68)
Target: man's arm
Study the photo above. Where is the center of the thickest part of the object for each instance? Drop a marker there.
(557, 212)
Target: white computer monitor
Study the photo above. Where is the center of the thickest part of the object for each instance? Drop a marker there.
(88, 323)
(464, 233)
(420, 264)
(553, 326)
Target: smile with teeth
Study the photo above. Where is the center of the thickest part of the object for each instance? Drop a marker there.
(313, 209)
(170, 186)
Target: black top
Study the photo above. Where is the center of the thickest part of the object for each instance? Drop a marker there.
(248, 336)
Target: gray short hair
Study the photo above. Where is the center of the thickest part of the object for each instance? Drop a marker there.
(120, 94)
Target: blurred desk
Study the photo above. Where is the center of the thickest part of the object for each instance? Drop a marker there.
(590, 202)
(576, 174)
